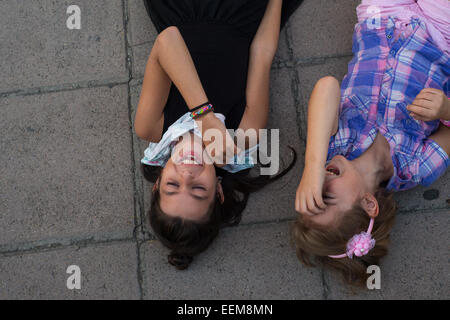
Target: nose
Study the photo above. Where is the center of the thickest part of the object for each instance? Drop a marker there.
(187, 174)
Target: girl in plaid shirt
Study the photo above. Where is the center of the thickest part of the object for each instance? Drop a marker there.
(385, 129)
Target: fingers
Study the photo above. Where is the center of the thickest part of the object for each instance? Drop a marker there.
(424, 103)
(420, 113)
(312, 205)
(426, 95)
(309, 204)
(432, 91)
(319, 200)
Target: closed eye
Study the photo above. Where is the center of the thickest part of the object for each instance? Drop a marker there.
(173, 184)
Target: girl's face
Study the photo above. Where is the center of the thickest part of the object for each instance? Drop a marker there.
(188, 185)
(342, 189)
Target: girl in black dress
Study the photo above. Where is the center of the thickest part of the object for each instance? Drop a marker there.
(207, 51)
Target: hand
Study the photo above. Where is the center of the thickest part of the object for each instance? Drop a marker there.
(309, 193)
(218, 151)
(430, 104)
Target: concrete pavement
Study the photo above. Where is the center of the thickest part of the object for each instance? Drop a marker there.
(71, 192)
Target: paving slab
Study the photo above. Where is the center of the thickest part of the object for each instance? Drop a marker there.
(416, 266)
(108, 271)
(246, 262)
(67, 171)
(140, 27)
(321, 28)
(141, 36)
(143, 187)
(38, 50)
(276, 201)
(425, 198)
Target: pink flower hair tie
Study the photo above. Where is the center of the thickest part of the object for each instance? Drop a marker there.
(360, 244)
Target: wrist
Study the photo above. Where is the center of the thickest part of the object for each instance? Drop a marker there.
(206, 118)
(193, 108)
(314, 165)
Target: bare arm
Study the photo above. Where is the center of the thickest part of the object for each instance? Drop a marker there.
(169, 61)
(262, 52)
(323, 112)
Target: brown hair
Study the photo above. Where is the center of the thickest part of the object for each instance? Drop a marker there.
(315, 243)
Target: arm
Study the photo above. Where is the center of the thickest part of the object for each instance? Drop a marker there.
(169, 61)
(262, 52)
(323, 113)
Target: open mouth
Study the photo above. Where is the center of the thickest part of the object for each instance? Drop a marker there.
(191, 159)
(332, 170)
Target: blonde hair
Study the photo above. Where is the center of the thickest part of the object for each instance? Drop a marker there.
(315, 243)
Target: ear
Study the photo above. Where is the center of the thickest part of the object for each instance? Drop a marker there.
(220, 192)
(155, 186)
(370, 204)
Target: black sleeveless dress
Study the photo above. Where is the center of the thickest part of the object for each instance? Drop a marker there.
(218, 34)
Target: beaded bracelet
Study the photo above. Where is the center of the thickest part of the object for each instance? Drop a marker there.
(200, 106)
(202, 111)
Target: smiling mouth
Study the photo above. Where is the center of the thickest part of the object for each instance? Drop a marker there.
(332, 171)
(190, 159)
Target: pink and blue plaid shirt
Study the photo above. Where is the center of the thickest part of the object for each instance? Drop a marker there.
(384, 77)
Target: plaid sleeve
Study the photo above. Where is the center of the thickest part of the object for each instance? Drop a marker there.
(341, 142)
(425, 167)
(433, 162)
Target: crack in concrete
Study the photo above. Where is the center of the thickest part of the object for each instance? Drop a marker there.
(325, 286)
(295, 91)
(137, 232)
(64, 87)
(132, 81)
(40, 247)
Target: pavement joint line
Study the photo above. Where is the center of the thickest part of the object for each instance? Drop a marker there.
(40, 247)
(295, 90)
(425, 210)
(264, 222)
(325, 286)
(138, 230)
(293, 219)
(279, 64)
(37, 247)
(314, 61)
(63, 88)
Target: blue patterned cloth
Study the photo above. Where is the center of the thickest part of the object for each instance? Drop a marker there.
(157, 154)
(384, 77)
